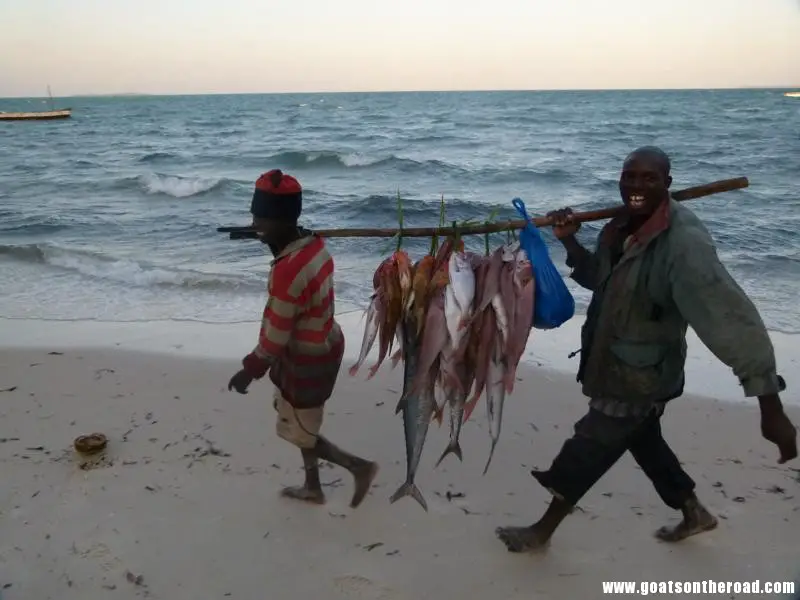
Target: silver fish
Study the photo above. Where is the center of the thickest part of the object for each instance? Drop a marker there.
(370, 332)
(502, 318)
(495, 396)
(462, 280)
(417, 410)
(456, 400)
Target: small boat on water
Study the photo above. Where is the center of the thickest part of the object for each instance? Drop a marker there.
(38, 115)
(44, 115)
(792, 94)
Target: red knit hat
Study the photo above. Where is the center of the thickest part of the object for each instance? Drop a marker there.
(277, 196)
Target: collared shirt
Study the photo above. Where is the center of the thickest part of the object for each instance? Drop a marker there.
(299, 335)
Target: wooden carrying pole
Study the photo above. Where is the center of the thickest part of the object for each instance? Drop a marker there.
(716, 187)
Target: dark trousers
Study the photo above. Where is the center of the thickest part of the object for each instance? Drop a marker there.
(600, 441)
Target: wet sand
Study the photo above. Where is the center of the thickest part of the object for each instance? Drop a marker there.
(184, 502)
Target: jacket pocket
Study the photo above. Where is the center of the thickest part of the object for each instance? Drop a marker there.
(639, 354)
(636, 369)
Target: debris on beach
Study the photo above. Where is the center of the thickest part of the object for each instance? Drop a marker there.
(460, 321)
(136, 580)
(93, 443)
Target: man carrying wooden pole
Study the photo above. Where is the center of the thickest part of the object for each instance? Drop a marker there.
(654, 272)
(300, 343)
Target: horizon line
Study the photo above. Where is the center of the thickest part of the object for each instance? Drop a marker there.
(411, 91)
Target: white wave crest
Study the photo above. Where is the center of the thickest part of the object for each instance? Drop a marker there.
(178, 187)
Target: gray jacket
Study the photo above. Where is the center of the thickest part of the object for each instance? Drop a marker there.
(647, 290)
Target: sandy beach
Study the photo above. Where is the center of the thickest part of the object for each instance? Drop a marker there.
(184, 502)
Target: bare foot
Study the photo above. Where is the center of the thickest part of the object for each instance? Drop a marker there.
(364, 477)
(695, 520)
(304, 494)
(522, 539)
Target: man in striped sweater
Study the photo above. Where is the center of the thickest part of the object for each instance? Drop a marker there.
(300, 343)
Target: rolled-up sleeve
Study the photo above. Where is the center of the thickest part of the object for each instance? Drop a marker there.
(719, 311)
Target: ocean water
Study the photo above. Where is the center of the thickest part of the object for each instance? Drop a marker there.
(111, 216)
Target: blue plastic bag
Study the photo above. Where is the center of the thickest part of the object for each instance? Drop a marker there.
(553, 302)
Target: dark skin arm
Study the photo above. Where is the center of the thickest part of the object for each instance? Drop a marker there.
(777, 428)
(564, 228)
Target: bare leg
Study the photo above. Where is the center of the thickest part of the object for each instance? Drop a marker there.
(311, 491)
(537, 536)
(598, 443)
(696, 519)
(363, 471)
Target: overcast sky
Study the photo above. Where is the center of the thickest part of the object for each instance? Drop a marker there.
(219, 46)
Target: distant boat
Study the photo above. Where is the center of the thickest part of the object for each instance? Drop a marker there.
(39, 115)
(44, 115)
(792, 94)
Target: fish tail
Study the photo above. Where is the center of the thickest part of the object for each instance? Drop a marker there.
(470, 406)
(437, 414)
(491, 454)
(454, 447)
(509, 379)
(409, 488)
(420, 321)
(396, 357)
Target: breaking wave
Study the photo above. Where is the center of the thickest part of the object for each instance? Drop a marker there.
(178, 187)
(337, 160)
(125, 271)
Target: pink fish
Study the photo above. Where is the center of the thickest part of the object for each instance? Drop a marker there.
(456, 403)
(434, 340)
(523, 318)
(495, 396)
(508, 300)
(492, 279)
(397, 356)
(523, 322)
(488, 337)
